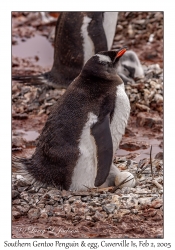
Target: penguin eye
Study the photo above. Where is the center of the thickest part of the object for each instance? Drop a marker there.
(109, 64)
(103, 62)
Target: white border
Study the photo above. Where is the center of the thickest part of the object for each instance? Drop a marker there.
(5, 100)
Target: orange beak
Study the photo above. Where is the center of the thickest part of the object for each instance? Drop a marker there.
(121, 52)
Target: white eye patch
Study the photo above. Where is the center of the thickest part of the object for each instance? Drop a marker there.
(103, 58)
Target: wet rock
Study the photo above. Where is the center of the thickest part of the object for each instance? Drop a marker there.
(129, 133)
(109, 208)
(131, 146)
(159, 156)
(148, 120)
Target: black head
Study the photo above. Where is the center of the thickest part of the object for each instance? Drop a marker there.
(103, 64)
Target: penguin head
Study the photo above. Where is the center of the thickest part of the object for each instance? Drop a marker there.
(103, 64)
(130, 66)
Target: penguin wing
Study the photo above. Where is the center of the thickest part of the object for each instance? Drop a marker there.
(103, 140)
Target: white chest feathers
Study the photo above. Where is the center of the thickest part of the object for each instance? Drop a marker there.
(86, 168)
(120, 118)
(109, 25)
(88, 45)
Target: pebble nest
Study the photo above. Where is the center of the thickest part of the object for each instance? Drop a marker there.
(105, 204)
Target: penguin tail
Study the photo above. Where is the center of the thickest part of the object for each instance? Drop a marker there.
(36, 80)
(21, 168)
(46, 79)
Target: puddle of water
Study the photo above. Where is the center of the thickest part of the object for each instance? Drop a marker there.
(30, 135)
(143, 153)
(35, 46)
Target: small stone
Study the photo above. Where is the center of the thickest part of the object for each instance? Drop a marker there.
(60, 214)
(41, 205)
(134, 211)
(144, 201)
(15, 194)
(57, 209)
(74, 198)
(16, 202)
(24, 195)
(109, 208)
(43, 217)
(157, 203)
(103, 196)
(55, 221)
(17, 142)
(92, 203)
(21, 189)
(34, 213)
(22, 209)
(87, 217)
(98, 216)
(85, 199)
(125, 211)
(50, 202)
(67, 208)
(95, 194)
(115, 200)
(16, 214)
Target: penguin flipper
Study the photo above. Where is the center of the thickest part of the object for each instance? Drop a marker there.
(103, 140)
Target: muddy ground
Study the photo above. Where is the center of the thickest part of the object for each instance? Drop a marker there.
(32, 52)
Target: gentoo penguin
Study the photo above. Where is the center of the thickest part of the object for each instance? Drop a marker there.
(129, 67)
(78, 36)
(77, 144)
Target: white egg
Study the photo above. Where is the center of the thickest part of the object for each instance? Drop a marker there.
(122, 176)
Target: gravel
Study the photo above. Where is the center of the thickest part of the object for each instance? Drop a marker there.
(95, 204)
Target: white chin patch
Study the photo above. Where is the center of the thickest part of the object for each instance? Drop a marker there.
(103, 58)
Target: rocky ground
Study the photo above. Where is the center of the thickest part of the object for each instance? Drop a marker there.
(100, 213)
